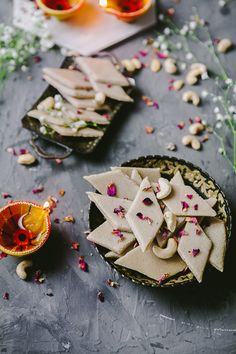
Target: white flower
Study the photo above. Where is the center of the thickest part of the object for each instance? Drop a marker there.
(183, 66)
(161, 17)
(222, 3)
(219, 116)
(156, 44)
(184, 30)
(215, 99)
(220, 150)
(163, 46)
(161, 38)
(218, 125)
(166, 52)
(232, 109)
(204, 94)
(179, 45)
(58, 105)
(167, 31)
(78, 125)
(216, 110)
(189, 56)
(58, 98)
(24, 68)
(229, 81)
(192, 25)
(234, 89)
(43, 130)
(3, 51)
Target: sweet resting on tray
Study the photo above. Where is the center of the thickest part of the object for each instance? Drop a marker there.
(85, 96)
(155, 226)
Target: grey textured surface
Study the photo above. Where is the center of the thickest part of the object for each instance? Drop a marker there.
(132, 319)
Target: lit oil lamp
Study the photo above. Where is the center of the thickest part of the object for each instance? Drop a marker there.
(125, 10)
(24, 228)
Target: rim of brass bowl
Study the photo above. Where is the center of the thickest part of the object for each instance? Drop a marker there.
(194, 176)
(53, 12)
(129, 15)
(36, 248)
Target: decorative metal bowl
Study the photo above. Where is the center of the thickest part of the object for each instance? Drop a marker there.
(193, 176)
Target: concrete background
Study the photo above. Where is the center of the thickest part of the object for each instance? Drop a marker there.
(133, 319)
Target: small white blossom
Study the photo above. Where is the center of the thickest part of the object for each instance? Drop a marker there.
(58, 98)
(229, 81)
(43, 130)
(167, 31)
(179, 45)
(58, 105)
(192, 25)
(163, 46)
(222, 3)
(156, 44)
(232, 109)
(218, 125)
(204, 94)
(216, 110)
(183, 66)
(161, 38)
(184, 30)
(204, 76)
(215, 99)
(189, 56)
(219, 117)
(161, 17)
(24, 68)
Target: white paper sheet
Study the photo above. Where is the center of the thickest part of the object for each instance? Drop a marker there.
(91, 30)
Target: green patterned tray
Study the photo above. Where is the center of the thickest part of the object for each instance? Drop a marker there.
(193, 176)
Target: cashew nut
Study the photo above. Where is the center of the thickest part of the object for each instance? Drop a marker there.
(46, 104)
(100, 98)
(170, 66)
(196, 70)
(170, 220)
(191, 97)
(191, 140)
(224, 45)
(129, 65)
(163, 188)
(26, 159)
(168, 252)
(21, 268)
(196, 128)
(155, 65)
(177, 85)
(136, 62)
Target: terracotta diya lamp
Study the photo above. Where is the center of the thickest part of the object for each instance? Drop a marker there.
(125, 10)
(61, 9)
(24, 228)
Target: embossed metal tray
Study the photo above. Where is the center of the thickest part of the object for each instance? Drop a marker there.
(79, 145)
(193, 176)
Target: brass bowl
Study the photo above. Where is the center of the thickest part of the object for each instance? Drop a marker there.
(193, 176)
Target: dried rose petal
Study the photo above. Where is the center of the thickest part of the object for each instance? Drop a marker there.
(111, 190)
(148, 129)
(190, 121)
(37, 59)
(3, 255)
(198, 231)
(189, 196)
(120, 211)
(163, 278)
(39, 277)
(50, 203)
(185, 205)
(38, 189)
(6, 296)
(69, 218)
(170, 11)
(197, 120)
(62, 192)
(112, 283)
(146, 218)
(181, 125)
(143, 53)
(100, 296)
(165, 234)
(147, 189)
(156, 105)
(147, 201)
(117, 233)
(23, 151)
(195, 252)
(171, 88)
(193, 220)
(82, 264)
(75, 246)
(6, 195)
(195, 207)
(161, 55)
(182, 232)
(49, 292)
(11, 151)
(59, 161)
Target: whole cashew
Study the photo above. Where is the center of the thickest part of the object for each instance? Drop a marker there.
(46, 104)
(196, 70)
(21, 268)
(163, 188)
(196, 128)
(155, 65)
(191, 140)
(129, 65)
(26, 159)
(168, 252)
(170, 66)
(170, 220)
(177, 85)
(100, 98)
(224, 45)
(191, 97)
(136, 62)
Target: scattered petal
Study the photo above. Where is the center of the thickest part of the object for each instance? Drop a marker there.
(189, 196)
(147, 201)
(82, 264)
(3, 255)
(146, 218)
(195, 207)
(148, 129)
(6, 296)
(112, 283)
(12, 151)
(6, 195)
(75, 246)
(185, 205)
(195, 252)
(69, 218)
(38, 189)
(39, 277)
(111, 190)
(162, 279)
(120, 211)
(51, 203)
(23, 151)
(118, 233)
(61, 192)
(100, 296)
(181, 125)
(59, 161)
(171, 147)
(182, 232)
